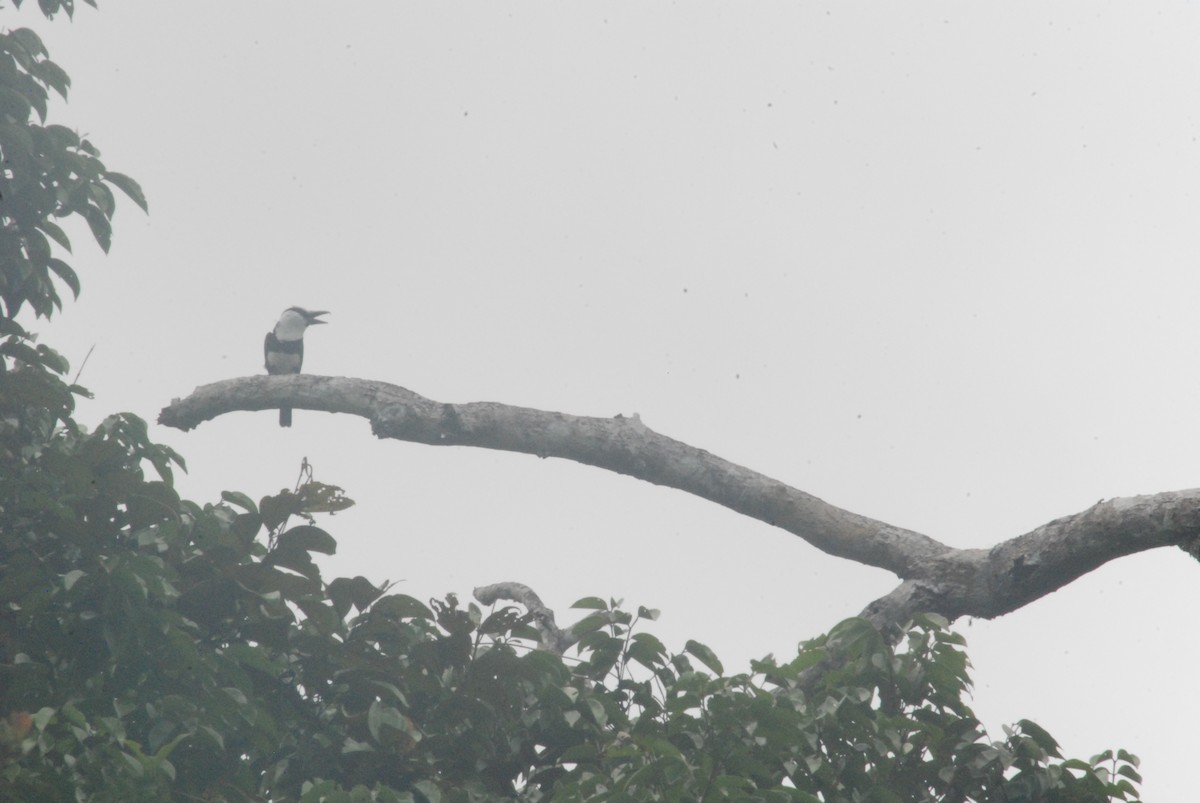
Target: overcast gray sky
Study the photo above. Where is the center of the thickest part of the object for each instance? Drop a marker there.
(935, 263)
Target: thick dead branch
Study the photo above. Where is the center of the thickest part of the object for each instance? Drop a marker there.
(936, 577)
(554, 639)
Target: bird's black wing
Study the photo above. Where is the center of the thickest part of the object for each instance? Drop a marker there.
(288, 355)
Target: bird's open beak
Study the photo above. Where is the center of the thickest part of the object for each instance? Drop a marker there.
(311, 317)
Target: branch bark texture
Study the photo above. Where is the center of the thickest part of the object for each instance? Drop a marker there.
(935, 577)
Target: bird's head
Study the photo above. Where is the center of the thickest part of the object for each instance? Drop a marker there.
(295, 320)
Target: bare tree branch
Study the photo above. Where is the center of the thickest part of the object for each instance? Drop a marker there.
(936, 577)
(554, 639)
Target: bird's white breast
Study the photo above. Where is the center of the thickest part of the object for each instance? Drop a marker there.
(279, 362)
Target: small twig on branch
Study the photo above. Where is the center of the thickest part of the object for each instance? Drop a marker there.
(83, 364)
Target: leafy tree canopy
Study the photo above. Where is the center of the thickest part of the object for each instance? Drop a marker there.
(153, 648)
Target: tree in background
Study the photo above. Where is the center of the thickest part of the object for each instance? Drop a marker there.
(152, 648)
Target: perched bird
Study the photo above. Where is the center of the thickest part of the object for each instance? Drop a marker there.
(284, 347)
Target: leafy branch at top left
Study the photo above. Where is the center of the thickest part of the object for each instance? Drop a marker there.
(47, 173)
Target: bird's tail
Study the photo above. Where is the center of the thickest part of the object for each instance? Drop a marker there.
(285, 416)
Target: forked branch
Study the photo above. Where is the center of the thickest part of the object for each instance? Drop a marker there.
(935, 577)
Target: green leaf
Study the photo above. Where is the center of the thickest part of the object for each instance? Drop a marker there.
(591, 622)
(650, 614)
(401, 606)
(358, 592)
(599, 715)
(704, 655)
(214, 735)
(308, 538)
(55, 233)
(430, 791)
(277, 509)
(102, 197)
(53, 76)
(657, 746)
(14, 104)
(1039, 735)
(240, 499)
(63, 138)
(379, 715)
(320, 615)
(348, 746)
(501, 621)
(581, 753)
(591, 602)
(74, 716)
(269, 582)
(164, 752)
(736, 786)
(934, 621)
(42, 717)
(128, 186)
(53, 360)
(650, 641)
(392, 690)
(293, 557)
(649, 654)
(134, 764)
(236, 694)
(30, 41)
(254, 657)
(100, 226)
(319, 497)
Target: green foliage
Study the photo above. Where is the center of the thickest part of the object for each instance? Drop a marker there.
(236, 673)
(52, 7)
(49, 173)
(155, 649)
(876, 724)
